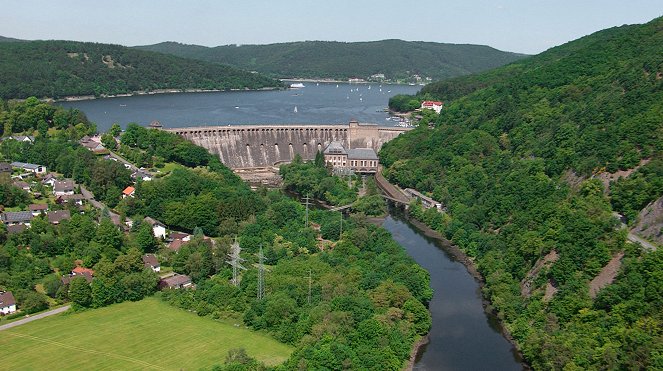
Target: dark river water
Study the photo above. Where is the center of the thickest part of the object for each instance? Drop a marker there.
(463, 336)
(322, 103)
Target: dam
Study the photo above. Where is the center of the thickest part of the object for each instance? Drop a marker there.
(258, 146)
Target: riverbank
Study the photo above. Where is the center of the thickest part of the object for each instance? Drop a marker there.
(472, 269)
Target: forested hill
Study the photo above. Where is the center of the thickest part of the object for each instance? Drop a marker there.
(66, 68)
(396, 59)
(516, 155)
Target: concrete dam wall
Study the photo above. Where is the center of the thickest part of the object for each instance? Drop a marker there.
(252, 146)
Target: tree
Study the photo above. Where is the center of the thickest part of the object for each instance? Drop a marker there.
(115, 130)
(108, 141)
(80, 292)
(145, 239)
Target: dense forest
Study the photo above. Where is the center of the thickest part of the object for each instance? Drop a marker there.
(56, 69)
(396, 59)
(515, 156)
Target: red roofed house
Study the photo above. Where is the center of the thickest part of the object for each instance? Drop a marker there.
(7, 303)
(128, 192)
(431, 104)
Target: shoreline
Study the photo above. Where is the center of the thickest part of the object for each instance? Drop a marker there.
(471, 267)
(77, 98)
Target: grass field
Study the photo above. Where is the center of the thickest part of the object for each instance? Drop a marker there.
(148, 334)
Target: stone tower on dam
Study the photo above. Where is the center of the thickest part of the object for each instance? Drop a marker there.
(253, 146)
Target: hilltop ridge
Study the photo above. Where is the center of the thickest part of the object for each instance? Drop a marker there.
(395, 59)
(56, 69)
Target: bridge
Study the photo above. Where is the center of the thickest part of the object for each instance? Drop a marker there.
(256, 146)
(390, 191)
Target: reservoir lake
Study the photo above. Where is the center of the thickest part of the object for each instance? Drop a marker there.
(463, 335)
(316, 103)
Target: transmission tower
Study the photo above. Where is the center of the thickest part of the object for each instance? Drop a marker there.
(235, 261)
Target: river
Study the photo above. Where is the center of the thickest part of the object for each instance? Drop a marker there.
(316, 103)
(463, 336)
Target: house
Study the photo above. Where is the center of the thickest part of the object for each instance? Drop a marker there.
(7, 303)
(32, 168)
(64, 187)
(49, 179)
(143, 175)
(178, 281)
(79, 271)
(23, 138)
(56, 217)
(158, 228)
(128, 192)
(75, 199)
(37, 209)
(16, 217)
(5, 167)
(426, 201)
(151, 261)
(16, 228)
(434, 105)
(22, 185)
(179, 236)
(93, 144)
(176, 245)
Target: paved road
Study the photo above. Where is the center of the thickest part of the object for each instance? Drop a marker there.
(631, 236)
(35, 317)
(114, 155)
(115, 218)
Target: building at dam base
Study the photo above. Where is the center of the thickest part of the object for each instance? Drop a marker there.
(255, 146)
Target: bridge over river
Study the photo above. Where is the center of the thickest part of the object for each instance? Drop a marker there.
(256, 146)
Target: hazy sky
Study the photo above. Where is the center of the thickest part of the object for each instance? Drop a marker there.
(526, 26)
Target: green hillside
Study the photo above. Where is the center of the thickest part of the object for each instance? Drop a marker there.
(396, 59)
(65, 68)
(513, 157)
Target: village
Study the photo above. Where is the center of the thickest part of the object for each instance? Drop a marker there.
(54, 199)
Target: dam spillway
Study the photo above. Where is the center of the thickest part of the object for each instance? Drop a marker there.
(255, 146)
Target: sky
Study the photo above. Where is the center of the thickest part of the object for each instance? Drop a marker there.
(524, 26)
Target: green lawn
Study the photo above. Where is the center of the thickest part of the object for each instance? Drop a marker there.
(148, 334)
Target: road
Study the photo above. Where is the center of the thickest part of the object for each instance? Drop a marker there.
(114, 155)
(35, 317)
(632, 237)
(89, 196)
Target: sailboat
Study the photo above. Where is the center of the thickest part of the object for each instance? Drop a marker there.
(295, 109)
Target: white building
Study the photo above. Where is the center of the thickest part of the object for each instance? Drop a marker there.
(7, 303)
(434, 105)
(158, 228)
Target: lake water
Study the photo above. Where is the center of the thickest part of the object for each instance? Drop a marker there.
(463, 336)
(322, 103)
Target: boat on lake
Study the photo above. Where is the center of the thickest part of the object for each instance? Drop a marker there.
(297, 85)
